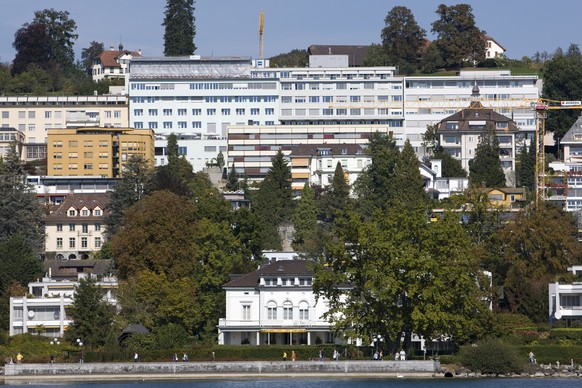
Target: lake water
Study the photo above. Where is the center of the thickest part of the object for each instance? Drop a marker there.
(325, 383)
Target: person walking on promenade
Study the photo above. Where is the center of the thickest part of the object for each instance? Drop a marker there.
(185, 358)
(284, 356)
(135, 357)
(293, 355)
(402, 355)
(321, 355)
(19, 358)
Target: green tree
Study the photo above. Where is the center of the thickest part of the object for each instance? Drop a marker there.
(129, 190)
(336, 197)
(156, 235)
(525, 168)
(273, 202)
(376, 56)
(451, 167)
(177, 175)
(89, 54)
(246, 227)
(402, 38)
(180, 28)
(407, 179)
(294, 58)
(32, 44)
(405, 276)
(232, 183)
(91, 314)
(432, 59)
(375, 186)
(61, 30)
(20, 212)
(305, 221)
(562, 76)
(532, 250)
(459, 40)
(485, 168)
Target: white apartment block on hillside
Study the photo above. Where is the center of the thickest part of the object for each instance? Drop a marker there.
(34, 116)
(202, 98)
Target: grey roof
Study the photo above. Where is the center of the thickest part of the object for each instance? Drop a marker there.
(68, 269)
(356, 54)
(281, 267)
(573, 134)
(475, 112)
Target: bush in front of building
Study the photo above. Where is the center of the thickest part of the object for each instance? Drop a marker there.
(550, 354)
(490, 356)
(567, 335)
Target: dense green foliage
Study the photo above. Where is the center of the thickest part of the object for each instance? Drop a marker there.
(61, 32)
(525, 168)
(459, 40)
(485, 168)
(92, 316)
(402, 39)
(294, 58)
(305, 221)
(491, 356)
(179, 28)
(89, 54)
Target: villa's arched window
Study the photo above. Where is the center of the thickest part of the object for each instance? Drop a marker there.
(303, 311)
(287, 310)
(271, 310)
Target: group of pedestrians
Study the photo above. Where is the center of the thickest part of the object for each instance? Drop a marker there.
(398, 356)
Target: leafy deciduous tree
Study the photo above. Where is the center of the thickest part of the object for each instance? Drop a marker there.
(32, 44)
(61, 31)
(402, 38)
(89, 54)
(458, 38)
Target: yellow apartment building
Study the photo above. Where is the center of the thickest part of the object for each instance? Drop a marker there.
(96, 151)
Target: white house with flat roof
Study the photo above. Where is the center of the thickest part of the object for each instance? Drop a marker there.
(565, 300)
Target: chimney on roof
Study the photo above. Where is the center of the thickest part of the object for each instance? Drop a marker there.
(329, 50)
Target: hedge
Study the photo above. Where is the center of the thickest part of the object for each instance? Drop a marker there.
(546, 354)
(574, 334)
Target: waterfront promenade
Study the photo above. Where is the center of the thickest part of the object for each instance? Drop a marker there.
(210, 370)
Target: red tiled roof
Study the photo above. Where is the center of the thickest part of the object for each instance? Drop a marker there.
(108, 58)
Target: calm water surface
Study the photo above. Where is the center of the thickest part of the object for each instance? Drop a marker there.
(325, 383)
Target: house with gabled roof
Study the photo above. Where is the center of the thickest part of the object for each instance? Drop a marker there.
(275, 305)
(112, 64)
(76, 228)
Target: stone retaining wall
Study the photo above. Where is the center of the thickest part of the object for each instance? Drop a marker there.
(221, 368)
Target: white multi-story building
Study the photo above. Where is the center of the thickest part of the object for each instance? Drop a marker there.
(34, 116)
(275, 305)
(565, 300)
(46, 310)
(202, 99)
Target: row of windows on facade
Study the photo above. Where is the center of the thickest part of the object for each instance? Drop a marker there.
(199, 99)
(272, 310)
(57, 114)
(40, 313)
(84, 242)
(84, 227)
(209, 112)
(86, 166)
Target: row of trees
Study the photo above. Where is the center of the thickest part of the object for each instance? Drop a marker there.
(45, 59)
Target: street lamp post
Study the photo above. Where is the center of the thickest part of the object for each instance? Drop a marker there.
(80, 343)
(54, 341)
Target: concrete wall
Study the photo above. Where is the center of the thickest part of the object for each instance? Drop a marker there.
(221, 368)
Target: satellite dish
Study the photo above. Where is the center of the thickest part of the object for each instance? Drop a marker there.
(558, 314)
(30, 313)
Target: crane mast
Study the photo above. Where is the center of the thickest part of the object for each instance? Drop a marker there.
(261, 33)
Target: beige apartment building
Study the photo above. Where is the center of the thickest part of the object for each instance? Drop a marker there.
(34, 116)
(96, 151)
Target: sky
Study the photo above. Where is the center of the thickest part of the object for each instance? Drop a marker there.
(230, 27)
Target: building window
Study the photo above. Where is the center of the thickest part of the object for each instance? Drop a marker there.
(117, 114)
(71, 242)
(254, 111)
(97, 242)
(167, 125)
(153, 112)
(97, 212)
(85, 228)
(240, 111)
(59, 242)
(304, 313)
(269, 111)
(138, 112)
(72, 212)
(211, 112)
(287, 310)
(83, 242)
(271, 311)
(97, 226)
(88, 166)
(85, 212)
(167, 112)
(196, 112)
(182, 112)
(71, 227)
(225, 111)
(246, 312)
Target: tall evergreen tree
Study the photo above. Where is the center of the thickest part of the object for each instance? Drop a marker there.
(485, 168)
(177, 175)
(130, 189)
(180, 28)
(525, 168)
(451, 167)
(402, 38)
(336, 197)
(459, 40)
(409, 186)
(232, 183)
(274, 201)
(89, 54)
(92, 316)
(375, 185)
(305, 221)
(20, 212)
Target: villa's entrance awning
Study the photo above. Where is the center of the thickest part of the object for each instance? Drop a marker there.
(283, 331)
